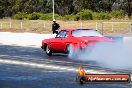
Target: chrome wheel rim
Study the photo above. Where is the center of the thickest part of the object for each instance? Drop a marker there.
(47, 50)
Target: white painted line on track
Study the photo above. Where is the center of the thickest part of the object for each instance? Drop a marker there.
(37, 65)
(51, 67)
(47, 65)
(36, 59)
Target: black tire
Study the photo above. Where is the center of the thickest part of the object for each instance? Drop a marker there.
(67, 49)
(48, 51)
(70, 51)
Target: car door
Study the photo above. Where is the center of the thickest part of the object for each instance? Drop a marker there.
(59, 44)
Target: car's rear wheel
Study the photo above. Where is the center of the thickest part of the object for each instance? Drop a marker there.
(48, 51)
(71, 51)
(68, 49)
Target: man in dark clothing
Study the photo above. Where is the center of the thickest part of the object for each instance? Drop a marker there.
(55, 27)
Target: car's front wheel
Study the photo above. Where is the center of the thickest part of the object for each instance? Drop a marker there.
(48, 51)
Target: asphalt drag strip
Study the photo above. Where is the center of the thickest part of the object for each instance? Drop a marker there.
(26, 67)
(20, 75)
(53, 67)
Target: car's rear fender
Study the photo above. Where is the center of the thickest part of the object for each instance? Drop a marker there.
(73, 46)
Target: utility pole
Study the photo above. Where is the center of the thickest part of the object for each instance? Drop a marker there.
(53, 10)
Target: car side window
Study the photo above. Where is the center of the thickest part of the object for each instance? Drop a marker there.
(62, 34)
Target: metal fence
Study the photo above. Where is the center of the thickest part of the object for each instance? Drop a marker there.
(44, 24)
(114, 27)
(104, 27)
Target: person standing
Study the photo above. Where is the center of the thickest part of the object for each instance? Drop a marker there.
(55, 27)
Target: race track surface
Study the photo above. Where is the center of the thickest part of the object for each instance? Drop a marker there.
(42, 71)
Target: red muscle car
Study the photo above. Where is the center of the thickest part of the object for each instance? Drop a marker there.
(77, 38)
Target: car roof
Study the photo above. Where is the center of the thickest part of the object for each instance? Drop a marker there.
(71, 29)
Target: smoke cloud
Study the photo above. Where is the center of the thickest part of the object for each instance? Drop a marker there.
(116, 55)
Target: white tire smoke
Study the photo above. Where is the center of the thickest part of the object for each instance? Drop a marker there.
(117, 55)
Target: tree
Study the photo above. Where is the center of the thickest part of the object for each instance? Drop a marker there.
(63, 7)
(6, 8)
(125, 5)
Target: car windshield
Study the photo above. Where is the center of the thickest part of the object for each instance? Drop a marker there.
(85, 32)
(62, 34)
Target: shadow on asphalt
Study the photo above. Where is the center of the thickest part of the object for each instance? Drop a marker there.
(33, 52)
(11, 50)
(29, 52)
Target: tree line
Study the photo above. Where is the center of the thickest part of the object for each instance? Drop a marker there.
(9, 8)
